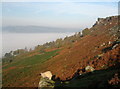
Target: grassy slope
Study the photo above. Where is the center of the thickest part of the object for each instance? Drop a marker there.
(20, 70)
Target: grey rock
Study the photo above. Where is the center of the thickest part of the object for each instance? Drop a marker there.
(45, 83)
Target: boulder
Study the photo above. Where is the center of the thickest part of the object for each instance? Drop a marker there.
(45, 81)
(47, 74)
(89, 68)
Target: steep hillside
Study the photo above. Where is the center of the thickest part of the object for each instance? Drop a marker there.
(98, 47)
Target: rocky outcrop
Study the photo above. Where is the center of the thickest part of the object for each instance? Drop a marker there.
(105, 21)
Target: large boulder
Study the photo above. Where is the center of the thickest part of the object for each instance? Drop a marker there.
(47, 74)
(45, 81)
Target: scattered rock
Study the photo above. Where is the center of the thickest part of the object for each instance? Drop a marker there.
(115, 80)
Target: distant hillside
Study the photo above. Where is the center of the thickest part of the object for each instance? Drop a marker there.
(88, 59)
(37, 29)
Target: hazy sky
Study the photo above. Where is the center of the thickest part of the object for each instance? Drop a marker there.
(60, 0)
(57, 13)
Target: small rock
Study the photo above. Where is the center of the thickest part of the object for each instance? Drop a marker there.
(89, 68)
(114, 46)
(103, 44)
(109, 42)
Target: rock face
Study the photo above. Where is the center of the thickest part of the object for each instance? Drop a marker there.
(105, 21)
(45, 81)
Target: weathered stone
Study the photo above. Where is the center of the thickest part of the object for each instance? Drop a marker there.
(114, 46)
(47, 74)
(103, 44)
(45, 81)
(109, 42)
(89, 68)
(100, 55)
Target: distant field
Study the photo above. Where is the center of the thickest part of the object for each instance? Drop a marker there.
(19, 71)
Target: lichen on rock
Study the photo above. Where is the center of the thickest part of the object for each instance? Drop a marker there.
(45, 81)
(89, 68)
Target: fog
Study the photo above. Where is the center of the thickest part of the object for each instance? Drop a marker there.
(13, 41)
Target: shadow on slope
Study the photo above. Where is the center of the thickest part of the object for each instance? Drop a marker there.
(97, 79)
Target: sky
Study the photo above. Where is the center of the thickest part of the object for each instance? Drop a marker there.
(56, 13)
(60, 0)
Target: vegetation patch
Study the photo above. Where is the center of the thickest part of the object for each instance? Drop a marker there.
(25, 67)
